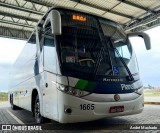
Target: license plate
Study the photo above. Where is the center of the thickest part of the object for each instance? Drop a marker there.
(116, 109)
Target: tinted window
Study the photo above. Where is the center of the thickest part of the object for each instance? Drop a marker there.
(49, 51)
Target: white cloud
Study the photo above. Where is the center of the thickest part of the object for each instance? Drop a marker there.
(10, 49)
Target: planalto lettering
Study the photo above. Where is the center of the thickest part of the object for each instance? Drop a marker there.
(127, 87)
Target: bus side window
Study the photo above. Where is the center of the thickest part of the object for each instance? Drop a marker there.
(49, 51)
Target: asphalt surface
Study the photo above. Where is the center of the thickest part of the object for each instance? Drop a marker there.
(149, 116)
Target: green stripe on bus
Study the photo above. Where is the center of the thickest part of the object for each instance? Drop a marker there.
(81, 84)
(90, 86)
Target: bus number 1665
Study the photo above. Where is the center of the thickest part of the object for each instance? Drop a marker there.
(87, 106)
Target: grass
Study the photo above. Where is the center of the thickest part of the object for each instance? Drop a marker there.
(152, 94)
(3, 96)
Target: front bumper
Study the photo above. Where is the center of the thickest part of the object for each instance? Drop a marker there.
(101, 109)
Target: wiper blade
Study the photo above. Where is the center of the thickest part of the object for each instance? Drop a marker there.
(98, 62)
(131, 78)
(104, 44)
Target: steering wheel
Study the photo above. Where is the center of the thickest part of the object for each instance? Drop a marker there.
(89, 62)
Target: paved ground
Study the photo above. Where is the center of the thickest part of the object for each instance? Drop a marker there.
(4, 104)
(150, 115)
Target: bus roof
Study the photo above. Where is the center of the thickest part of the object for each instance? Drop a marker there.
(41, 21)
(72, 9)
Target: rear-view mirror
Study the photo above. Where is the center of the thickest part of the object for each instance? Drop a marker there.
(144, 36)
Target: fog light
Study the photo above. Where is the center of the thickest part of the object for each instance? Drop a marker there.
(68, 111)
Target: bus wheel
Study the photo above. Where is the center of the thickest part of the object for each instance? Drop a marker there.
(38, 117)
(13, 107)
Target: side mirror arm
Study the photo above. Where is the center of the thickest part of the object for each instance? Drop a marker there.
(54, 18)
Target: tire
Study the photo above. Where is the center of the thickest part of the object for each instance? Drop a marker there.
(13, 107)
(38, 117)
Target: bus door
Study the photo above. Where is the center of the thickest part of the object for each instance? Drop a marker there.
(50, 72)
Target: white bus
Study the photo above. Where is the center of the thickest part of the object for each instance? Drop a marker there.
(77, 67)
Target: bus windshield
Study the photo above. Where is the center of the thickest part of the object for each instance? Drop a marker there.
(81, 43)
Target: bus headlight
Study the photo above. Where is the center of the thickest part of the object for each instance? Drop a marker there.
(80, 93)
(63, 88)
(72, 91)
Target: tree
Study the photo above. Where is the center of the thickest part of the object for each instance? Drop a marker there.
(150, 87)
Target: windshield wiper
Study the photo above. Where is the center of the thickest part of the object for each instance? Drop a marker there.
(104, 43)
(130, 78)
(98, 62)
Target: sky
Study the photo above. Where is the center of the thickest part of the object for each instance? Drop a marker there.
(9, 51)
(149, 61)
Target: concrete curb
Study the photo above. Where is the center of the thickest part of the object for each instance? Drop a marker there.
(157, 103)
